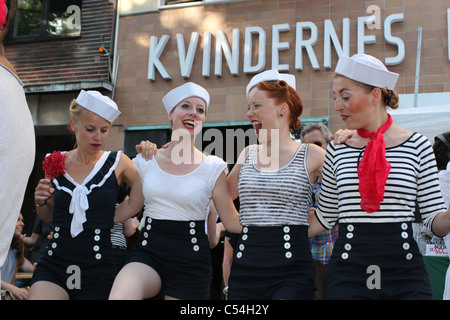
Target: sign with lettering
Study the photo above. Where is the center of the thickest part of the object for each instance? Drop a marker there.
(306, 36)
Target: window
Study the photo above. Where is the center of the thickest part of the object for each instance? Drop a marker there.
(168, 2)
(163, 4)
(46, 19)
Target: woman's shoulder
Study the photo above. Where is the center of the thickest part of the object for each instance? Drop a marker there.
(402, 137)
(214, 160)
(314, 151)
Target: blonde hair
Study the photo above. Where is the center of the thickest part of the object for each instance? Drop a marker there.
(75, 110)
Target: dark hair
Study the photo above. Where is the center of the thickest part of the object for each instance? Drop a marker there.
(442, 151)
(282, 92)
(18, 244)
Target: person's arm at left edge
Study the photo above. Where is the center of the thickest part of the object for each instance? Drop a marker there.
(10, 14)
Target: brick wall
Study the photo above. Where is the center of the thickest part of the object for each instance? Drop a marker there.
(140, 99)
(75, 59)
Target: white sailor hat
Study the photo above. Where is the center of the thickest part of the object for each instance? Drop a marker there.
(99, 104)
(189, 89)
(271, 75)
(366, 69)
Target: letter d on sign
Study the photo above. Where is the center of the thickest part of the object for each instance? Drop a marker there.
(374, 280)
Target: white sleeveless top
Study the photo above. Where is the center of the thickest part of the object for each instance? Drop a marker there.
(178, 197)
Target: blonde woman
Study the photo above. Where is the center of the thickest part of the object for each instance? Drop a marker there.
(172, 255)
(79, 263)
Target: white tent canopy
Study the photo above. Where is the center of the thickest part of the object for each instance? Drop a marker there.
(430, 120)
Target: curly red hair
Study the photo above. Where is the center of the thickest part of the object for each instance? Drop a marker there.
(282, 92)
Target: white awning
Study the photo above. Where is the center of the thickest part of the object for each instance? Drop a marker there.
(428, 120)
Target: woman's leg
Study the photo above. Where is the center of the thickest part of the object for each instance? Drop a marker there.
(45, 290)
(136, 281)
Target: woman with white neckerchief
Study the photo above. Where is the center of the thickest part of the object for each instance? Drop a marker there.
(78, 263)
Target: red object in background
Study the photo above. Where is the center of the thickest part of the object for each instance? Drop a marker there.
(3, 13)
(53, 165)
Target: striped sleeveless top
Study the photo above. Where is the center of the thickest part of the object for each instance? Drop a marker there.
(273, 198)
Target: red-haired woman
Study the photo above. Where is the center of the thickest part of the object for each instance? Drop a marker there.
(274, 181)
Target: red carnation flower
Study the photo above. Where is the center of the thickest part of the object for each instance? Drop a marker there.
(53, 165)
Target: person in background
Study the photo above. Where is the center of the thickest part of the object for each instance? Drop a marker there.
(441, 149)
(229, 245)
(321, 244)
(40, 235)
(17, 143)
(372, 184)
(79, 261)
(119, 235)
(122, 231)
(16, 261)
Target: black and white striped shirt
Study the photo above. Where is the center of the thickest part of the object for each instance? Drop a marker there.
(275, 198)
(118, 235)
(413, 179)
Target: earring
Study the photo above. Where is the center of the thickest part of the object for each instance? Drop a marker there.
(281, 114)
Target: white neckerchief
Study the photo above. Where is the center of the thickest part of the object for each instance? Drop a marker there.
(79, 203)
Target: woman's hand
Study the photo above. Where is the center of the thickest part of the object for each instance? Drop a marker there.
(147, 148)
(18, 293)
(43, 192)
(341, 136)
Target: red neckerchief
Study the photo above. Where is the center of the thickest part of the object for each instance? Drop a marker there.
(373, 169)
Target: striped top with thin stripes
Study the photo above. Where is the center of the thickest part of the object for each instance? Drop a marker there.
(274, 198)
(118, 235)
(412, 179)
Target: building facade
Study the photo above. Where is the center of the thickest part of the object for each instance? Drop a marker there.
(152, 46)
(221, 44)
(54, 47)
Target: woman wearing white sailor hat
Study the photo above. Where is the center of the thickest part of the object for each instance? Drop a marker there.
(272, 259)
(81, 205)
(172, 255)
(372, 184)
